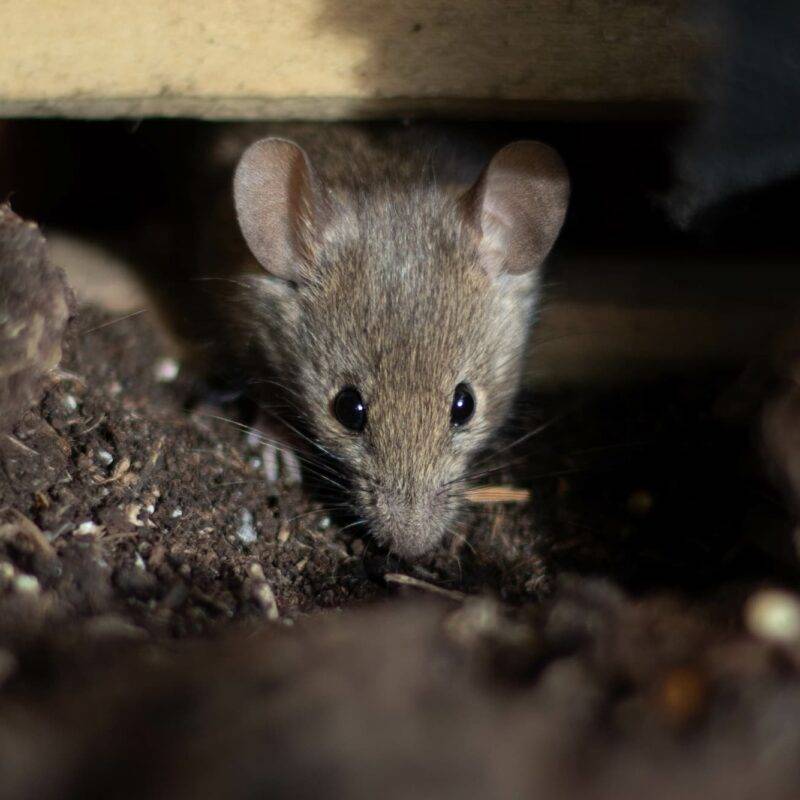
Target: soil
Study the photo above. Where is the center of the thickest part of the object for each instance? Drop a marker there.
(174, 624)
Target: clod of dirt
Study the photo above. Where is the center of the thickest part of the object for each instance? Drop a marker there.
(35, 305)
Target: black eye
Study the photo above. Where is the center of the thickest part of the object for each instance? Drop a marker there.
(463, 406)
(350, 410)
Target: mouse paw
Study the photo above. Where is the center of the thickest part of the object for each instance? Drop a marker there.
(291, 467)
(281, 463)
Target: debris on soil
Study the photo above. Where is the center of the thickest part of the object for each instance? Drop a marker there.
(416, 583)
(774, 615)
(497, 494)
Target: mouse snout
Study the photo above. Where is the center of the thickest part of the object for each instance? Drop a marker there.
(410, 522)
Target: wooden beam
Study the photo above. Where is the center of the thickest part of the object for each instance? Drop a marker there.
(327, 59)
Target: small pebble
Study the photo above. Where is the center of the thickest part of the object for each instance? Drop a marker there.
(70, 403)
(27, 584)
(42, 500)
(324, 523)
(774, 615)
(246, 530)
(265, 597)
(132, 514)
(166, 370)
(283, 534)
(88, 529)
(178, 512)
(114, 388)
(104, 457)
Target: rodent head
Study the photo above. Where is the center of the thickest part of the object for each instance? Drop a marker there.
(400, 315)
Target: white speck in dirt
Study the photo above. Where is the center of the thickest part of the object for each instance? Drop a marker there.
(166, 370)
(774, 615)
(265, 597)
(104, 457)
(70, 403)
(88, 529)
(246, 530)
(27, 584)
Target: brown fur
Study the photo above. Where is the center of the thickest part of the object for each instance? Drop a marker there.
(381, 280)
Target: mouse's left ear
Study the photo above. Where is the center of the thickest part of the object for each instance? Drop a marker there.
(281, 207)
(517, 207)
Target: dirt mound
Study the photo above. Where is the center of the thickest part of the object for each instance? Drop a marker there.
(161, 630)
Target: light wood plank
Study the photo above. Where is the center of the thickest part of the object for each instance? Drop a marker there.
(324, 59)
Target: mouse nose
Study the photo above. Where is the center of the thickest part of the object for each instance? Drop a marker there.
(411, 523)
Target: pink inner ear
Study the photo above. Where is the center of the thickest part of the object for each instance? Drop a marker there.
(276, 204)
(519, 205)
(495, 240)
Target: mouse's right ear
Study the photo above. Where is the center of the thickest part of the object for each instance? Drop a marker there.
(279, 205)
(517, 207)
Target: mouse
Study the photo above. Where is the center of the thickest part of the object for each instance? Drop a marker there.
(393, 305)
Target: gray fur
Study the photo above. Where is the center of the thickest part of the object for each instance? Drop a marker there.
(391, 297)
